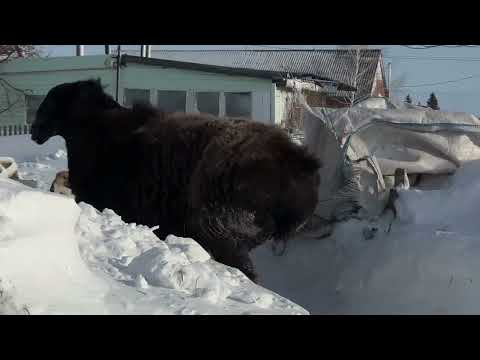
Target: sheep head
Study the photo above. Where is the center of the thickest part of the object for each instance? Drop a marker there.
(66, 106)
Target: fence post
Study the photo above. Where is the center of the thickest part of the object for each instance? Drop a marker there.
(9, 130)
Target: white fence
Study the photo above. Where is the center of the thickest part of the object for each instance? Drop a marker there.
(9, 130)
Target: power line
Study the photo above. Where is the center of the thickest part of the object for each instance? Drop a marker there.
(414, 47)
(461, 92)
(426, 47)
(435, 58)
(439, 83)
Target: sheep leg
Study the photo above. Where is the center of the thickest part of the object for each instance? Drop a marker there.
(226, 252)
(215, 231)
(240, 260)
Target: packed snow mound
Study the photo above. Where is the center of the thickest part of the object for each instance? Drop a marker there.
(452, 205)
(427, 264)
(57, 257)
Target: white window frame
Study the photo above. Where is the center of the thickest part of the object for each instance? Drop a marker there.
(191, 99)
(222, 103)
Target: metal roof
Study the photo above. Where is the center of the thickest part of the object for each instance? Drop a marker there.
(339, 65)
(276, 75)
(201, 67)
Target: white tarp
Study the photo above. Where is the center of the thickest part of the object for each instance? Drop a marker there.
(361, 145)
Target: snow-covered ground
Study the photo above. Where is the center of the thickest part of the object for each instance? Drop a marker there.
(57, 257)
(427, 264)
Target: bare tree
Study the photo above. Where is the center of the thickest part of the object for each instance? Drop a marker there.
(356, 54)
(360, 69)
(293, 109)
(12, 95)
(352, 59)
(17, 51)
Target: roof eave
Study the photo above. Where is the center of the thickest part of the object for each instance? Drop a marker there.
(277, 77)
(201, 67)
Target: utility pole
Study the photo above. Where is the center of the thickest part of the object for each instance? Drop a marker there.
(389, 79)
(118, 71)
(146, 51)
(80, 50)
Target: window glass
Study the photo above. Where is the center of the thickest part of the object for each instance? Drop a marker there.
(132, 96)
(172, 101)
(208, 102)
(238, 104)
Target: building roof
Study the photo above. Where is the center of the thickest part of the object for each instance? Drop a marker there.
(218, 67)
(66, 63)
(339, 65)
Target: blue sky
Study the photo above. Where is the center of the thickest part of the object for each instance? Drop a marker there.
(412, 67)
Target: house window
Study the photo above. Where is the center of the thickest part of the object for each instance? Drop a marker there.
(135, 96)
(33, 103)
(208, 102)
(172, 101)
(238, 104)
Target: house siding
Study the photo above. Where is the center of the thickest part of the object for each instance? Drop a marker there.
(38, 76)
(139, 76)
(379, 88)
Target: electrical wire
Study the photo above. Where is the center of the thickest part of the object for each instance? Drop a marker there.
(433, 58)
(426, 47)
(440, 82)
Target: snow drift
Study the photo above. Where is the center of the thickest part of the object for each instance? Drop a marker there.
(57, 257)
(427, 264)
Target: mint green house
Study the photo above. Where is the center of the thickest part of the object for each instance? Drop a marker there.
(251, 84)
(174, 86)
